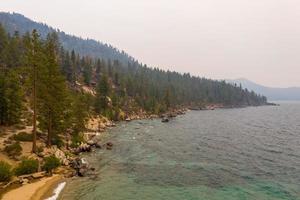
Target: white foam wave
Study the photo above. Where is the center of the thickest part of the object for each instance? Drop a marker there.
(57, 191)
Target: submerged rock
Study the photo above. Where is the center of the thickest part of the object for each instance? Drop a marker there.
(98, 145)
(109, 145)
(165, 119)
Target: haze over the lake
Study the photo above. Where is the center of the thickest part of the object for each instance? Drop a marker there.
(258, 39)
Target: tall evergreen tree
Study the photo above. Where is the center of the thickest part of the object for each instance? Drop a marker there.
(13, 95)
(3, 47)
(53, 94)
(74, 67)
(103, 91)
(34, 61)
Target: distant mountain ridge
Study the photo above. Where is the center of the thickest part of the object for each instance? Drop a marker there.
(87, 47)
(273, 94)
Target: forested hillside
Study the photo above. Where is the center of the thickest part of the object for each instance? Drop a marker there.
(17, 22)
(62, 88)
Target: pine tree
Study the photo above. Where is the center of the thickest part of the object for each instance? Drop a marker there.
(167, 98)
(14, 51)
(87, 74)
(74, 67)
(53, 95)
(80, 110)
(103, 91)
(67, 67)
(3, 103)
(3, 47)
(14, 98)
(34, 61)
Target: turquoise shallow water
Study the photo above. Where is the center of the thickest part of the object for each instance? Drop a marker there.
(251, 153)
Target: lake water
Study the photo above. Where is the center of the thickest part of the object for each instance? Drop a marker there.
(227, 154)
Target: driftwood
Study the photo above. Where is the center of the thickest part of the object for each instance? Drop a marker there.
(34, 175)
(19, 179)
(10, 182)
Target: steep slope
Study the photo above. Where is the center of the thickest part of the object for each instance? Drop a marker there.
(151, 89)
(292, 93)
(86, 47)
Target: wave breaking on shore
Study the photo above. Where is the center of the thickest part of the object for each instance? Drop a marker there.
(57, 191)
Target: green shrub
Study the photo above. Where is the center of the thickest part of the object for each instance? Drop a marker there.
(5, 171)
(19, 126)
(51, 163)
(39, 149)
(14, 149)
(23, 136)
(57, 141)
(27, 166)
(109, 113)
(76, 140)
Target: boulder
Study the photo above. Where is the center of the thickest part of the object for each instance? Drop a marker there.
(41, 154)
(109, 124)
(24, 181)
(165, 119)
(82, 171)
(109, 145)
(81, 166)
(83, 147)
(66, 162)
(61, 156)
(38, 175)
(180, 112)
(98, 145)
(127, 119)
(172, 114)
(91, 142)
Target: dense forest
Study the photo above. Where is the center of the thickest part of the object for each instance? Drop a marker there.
(85, 47)
(62, 88)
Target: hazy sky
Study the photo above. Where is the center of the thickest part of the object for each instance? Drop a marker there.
(220, 39)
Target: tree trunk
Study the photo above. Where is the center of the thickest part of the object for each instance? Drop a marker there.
(34, 111)
(49, 131)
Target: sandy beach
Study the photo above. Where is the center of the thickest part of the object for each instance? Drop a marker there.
(34, 191)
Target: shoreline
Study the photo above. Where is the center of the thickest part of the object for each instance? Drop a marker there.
(35, 191)
(53, 191)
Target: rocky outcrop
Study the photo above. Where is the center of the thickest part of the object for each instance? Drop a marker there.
(84, 147)
(64, 160)
(62, 157)
(81, 166)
